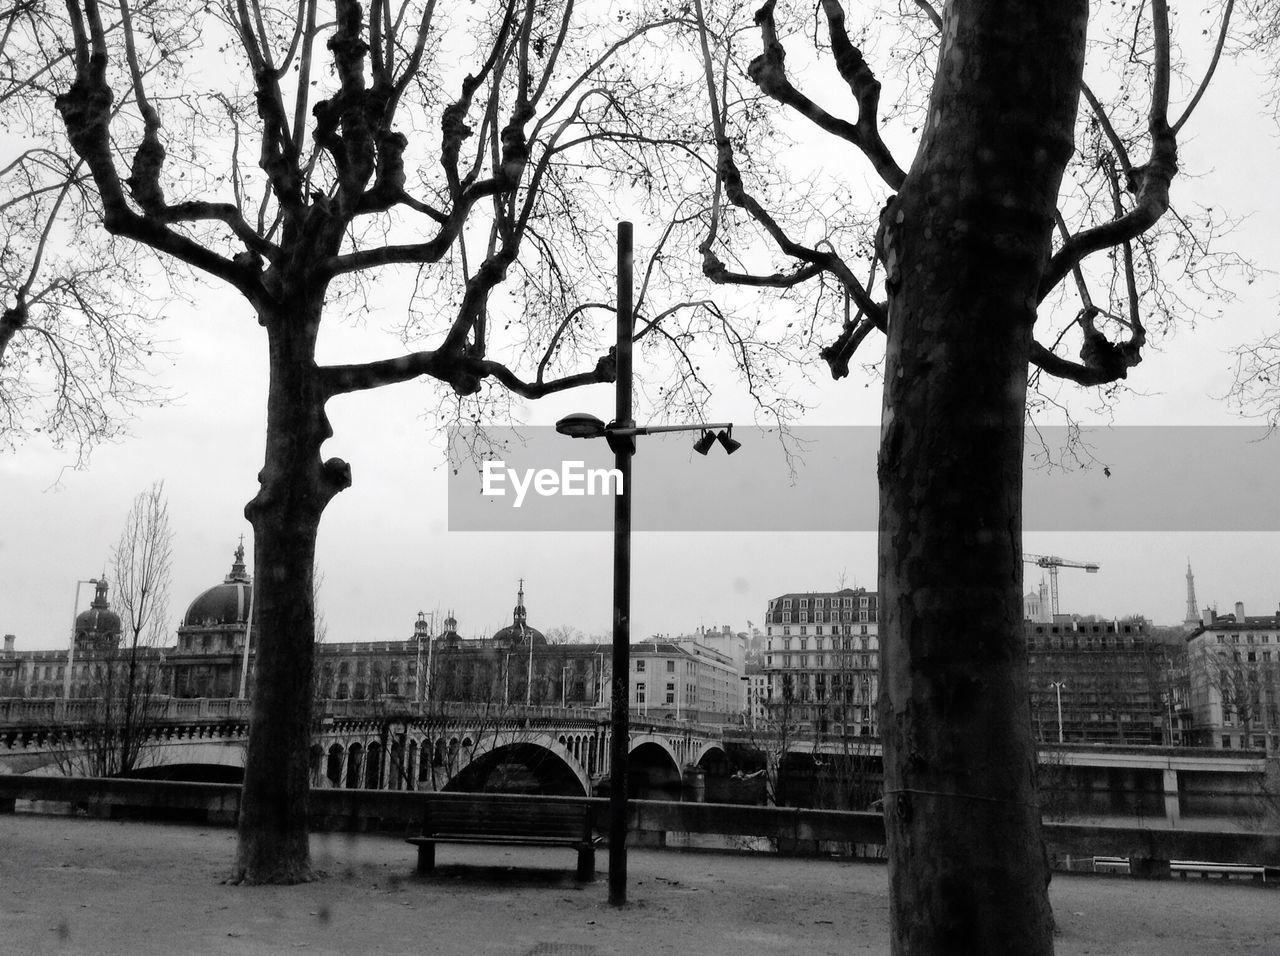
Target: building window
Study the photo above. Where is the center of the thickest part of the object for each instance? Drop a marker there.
(671, 667)
(786, 604)
(803, 630)
(804, 602)
(671, 693)
(804, 617)
(786, 618)
(786, 630)
(640, 692)
(848, 602)
(640, 668)
(1226, 741)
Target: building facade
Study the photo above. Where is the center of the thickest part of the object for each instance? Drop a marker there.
(1234, 663)
(684, 680)
(822, 661)
(214, 653)
(98, 662)
(1106, 682)
(756, 684)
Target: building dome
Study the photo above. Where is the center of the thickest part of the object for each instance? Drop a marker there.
(225, 603)
(99, 626)
(518, 633)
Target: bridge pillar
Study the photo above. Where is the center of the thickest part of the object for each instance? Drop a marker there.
(1172, 811)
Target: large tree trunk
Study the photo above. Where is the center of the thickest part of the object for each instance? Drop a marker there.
(965, 244)
(294, 487)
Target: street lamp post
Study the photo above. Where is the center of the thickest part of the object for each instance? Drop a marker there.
(1057, 685)
(621, 434)
(71, 648)
(622, 452)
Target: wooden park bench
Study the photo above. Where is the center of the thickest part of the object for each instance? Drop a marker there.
(509, 821)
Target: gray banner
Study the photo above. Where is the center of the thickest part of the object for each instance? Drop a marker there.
(1150, 478)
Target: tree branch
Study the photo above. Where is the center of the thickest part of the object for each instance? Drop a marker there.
(768, 72)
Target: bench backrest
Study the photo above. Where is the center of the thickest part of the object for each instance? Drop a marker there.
(508, 817)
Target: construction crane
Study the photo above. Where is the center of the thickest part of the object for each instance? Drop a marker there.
(1053, 562)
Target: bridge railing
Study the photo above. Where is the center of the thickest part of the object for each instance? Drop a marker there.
(52, 711)
(651, 822)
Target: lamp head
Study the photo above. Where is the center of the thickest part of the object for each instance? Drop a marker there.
(581, 425)
(726, 439)
(703, 444)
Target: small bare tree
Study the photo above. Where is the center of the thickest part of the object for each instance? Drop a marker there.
(126, 671)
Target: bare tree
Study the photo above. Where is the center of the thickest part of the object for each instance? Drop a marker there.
(141, 564)
(122, 696)
(1035, 212)
(297, 174)
(72, 356)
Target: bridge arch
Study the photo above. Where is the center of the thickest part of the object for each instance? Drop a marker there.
(712, 758)
(542, 765)
(653, 770)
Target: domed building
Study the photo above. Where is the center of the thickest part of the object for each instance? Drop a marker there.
(518, 633)
(210, 653)
(98, 628)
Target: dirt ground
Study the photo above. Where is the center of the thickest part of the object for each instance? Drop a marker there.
(73, 885)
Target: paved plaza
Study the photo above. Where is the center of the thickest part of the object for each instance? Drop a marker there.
(74, 885)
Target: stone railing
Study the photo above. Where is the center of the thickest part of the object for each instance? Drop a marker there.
(46, 712)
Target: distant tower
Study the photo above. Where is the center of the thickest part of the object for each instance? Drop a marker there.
(520, 615)
(1193, 613)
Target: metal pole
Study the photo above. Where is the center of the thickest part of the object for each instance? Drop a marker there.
(623, 449)
(244, 665)
(431, 637)
(71, 648)
(1057, 685)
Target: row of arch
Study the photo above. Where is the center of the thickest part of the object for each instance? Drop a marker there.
(405, 762)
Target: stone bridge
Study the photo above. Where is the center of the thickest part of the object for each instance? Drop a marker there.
(395, 745)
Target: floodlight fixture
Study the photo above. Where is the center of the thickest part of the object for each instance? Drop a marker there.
(726, 440)
(703, 444)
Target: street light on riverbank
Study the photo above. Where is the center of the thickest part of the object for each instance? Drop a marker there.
(621, 435)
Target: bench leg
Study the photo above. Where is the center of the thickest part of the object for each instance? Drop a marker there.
(426, 857)
(586, 864)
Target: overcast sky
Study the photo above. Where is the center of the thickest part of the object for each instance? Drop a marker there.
(386, 550)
